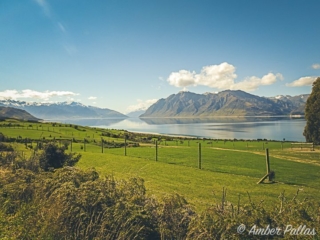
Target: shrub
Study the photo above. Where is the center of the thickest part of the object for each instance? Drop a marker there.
(55, 157)
(5, 147)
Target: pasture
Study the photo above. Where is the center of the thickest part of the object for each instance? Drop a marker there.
(234, 164)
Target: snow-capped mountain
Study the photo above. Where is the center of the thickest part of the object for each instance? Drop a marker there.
(297, 99)
(296, 103)
(62, 110)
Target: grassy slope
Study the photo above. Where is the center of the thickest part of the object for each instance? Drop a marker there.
(235, 165)
(200, 187)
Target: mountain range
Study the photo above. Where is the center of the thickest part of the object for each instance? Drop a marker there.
(183, 104)
(14, 113)
(225, 103)
(63, 110)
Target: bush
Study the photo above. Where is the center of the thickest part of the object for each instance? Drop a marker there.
(55, 157)
(74, 204)
(222, 221)
(5, 147)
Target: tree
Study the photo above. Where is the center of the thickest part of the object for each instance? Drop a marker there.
(312, 114)
(55, 157)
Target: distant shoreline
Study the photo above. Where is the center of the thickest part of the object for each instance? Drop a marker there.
(231, 116)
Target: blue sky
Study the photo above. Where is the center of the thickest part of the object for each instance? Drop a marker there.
(124, 55)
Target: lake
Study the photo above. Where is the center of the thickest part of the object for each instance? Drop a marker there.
(271, 128)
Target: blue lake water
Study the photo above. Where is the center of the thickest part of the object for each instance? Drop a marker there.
(274, 128)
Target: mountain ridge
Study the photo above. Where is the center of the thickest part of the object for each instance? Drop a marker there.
(225, 103)
(62, 110)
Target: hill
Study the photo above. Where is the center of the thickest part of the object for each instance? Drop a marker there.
(135, 114)
(225, 103)
(62, 110)
(9, 112)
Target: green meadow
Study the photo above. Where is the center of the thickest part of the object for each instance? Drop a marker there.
(173, 166)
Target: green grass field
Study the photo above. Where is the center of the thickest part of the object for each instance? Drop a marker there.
(235, 165)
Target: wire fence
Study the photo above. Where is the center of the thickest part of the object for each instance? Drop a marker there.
(246, 158)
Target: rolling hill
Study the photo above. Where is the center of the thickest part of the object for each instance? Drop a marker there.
(14, 113)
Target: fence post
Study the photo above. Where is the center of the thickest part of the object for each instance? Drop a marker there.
(84, 144)
(125, 145)
(268, 163)
(71, 144)
(199, 155)
(156, 151)
(101, 145)
(281, 145)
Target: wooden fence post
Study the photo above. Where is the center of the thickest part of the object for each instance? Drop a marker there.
(125, 145)
(199, 155)
(268, 163)
(84, 144)
(156, 151)
(101, 145)
(71, 144)
(268, 175)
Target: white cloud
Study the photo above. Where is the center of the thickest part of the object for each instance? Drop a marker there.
(45, 7)
(217, 76)
(141, 105)
(92, 98)
(220, 76)
(27, 93)
(41, 2)
(252, 83)
(316, 66)
(61, 26)
(70, 49)
(304, 81)
(183, 78)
